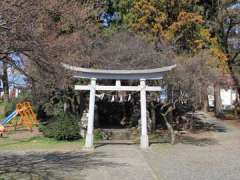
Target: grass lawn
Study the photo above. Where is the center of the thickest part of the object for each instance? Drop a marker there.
(23, 141)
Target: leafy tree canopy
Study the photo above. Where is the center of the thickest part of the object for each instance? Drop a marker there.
(182, 23)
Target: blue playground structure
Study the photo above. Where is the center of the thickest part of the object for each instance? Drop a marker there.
(7, 119)
(26, 117)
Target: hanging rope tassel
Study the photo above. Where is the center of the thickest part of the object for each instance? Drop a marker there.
(121, 99)
(113, 98)
(129, 97)
(102, 96)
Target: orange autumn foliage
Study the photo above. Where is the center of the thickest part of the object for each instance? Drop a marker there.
(187, 29)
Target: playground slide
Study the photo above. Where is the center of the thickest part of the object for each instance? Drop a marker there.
(7, 119)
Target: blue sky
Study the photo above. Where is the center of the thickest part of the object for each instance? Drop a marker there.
(15, 78)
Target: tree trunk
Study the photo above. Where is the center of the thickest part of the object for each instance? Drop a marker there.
(5, 82)
(236, 76)
(217, 101)
(236, 107)
(153, 115)
(205, 98)
(170, 129)
(33, 92)
(205, 103)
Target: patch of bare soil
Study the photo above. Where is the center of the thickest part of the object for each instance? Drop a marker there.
(22, 133)
(197, 137)
(212, 155)
(233, 123)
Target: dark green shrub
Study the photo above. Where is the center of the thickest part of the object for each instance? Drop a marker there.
(98, 135)
(62, 127)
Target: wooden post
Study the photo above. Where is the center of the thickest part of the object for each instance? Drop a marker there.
(144, 135)
(89, 136)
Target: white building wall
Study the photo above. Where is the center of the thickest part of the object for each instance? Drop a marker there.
(228, 97)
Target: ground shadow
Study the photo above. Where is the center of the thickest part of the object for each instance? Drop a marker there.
(184, 139)
(202, 121)
(209, 126)
(109, 142)
(198, 141)
(190, 141)
(47, 166)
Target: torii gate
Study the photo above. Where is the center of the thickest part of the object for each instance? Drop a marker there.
(118, 75)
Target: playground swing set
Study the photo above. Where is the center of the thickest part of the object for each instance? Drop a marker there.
(27, 118)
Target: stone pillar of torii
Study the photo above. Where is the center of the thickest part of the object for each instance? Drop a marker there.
(118, 75)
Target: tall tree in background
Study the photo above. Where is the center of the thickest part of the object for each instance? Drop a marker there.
(46, 33)
(5, 81)
(222, 18)
(183, 24)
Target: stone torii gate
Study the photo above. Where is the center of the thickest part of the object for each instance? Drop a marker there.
(118, 75)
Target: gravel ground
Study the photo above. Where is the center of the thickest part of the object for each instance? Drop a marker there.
(131, 164)
(219, 160)
(216, 155)
(110, 162)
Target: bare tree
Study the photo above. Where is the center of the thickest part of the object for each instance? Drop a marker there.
(45, 33)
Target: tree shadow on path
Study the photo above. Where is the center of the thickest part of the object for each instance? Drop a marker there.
(47, 166)
(198, 141)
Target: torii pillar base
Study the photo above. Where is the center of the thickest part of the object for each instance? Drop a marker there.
(144, 143)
